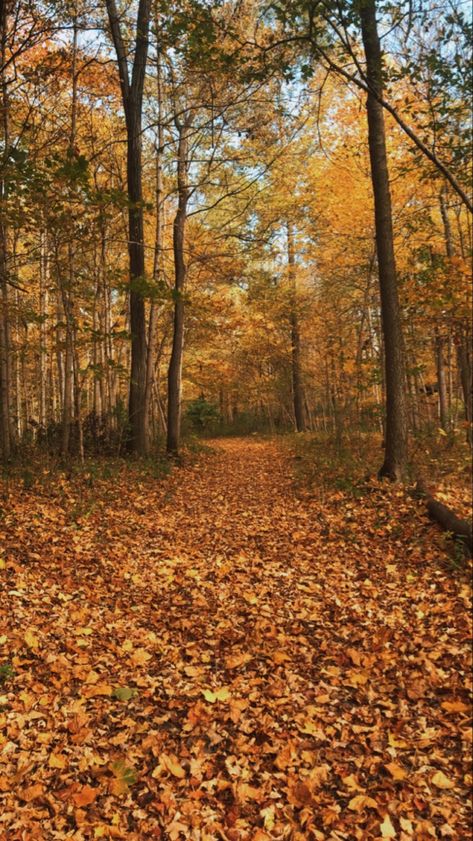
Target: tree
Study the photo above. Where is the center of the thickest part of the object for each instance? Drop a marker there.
(395, 448)
(132, 97)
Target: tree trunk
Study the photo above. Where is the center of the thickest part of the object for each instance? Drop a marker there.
(43, 307)
(5, 373)
(465, 368)
(180, 271)
(158, 254)
(132, 97)
(395, 451)
(442, 380)
(297, 390)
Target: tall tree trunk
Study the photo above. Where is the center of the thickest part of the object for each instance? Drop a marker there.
(180, 271)
(297, 390)
(466, 378)
(395, 451)
(136, 401)
(441, 379)
(463, 333)
(5, 372)
(132, 97)
(43, 307)
(158, 252)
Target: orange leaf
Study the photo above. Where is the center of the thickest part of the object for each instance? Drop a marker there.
(396, 771)
(32, 792)
(455, 706)
(85, 796)
(97, 690)
(360, 802)
(237, 660)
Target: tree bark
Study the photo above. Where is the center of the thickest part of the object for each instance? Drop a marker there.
(158, 253)
(132, 97)
(442, 380)
(297, 390)
(395, 451)
(5, 373)
(180, 272)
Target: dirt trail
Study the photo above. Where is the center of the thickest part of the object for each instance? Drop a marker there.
(283, 670)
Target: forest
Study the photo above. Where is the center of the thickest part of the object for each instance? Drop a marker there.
(236, 419)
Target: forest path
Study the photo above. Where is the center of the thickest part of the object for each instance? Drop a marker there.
(214, 656)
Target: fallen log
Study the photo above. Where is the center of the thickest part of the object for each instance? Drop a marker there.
(461, 530)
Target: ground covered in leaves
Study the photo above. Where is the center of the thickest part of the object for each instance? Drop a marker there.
(217, 655)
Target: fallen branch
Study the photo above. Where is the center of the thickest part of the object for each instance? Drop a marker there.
(446, 518)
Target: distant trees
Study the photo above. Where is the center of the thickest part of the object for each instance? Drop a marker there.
(199, 225)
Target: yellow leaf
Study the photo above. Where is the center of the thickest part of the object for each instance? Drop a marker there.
(387, 829)
(360, 802)
(351, 783)
(312, 729)
(171, 764)
(56, 760)
(31, 640)
(406, 825)
(394, 742)
(140, 657)
(3, 639)
(222, 694)
(441, 781)
(396, 771)
(268, 817)
(2, 563)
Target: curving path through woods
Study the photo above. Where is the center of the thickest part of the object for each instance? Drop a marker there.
(217, 656)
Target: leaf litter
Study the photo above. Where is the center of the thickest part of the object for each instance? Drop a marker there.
(215, 656)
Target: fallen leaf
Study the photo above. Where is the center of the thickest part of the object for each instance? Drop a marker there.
(171, 764)
(32, 792)
(140, 657)
(441, 781)
(222, 694)
(85, 796)
(455, 707)
(96, 690)
(31, 640)
(237, 660)
(57, 760)
(387, 829)
(362, 801)
(396, 771)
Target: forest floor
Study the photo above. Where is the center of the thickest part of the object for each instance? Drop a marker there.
(219, 655)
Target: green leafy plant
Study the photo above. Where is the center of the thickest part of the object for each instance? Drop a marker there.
(6, 672)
